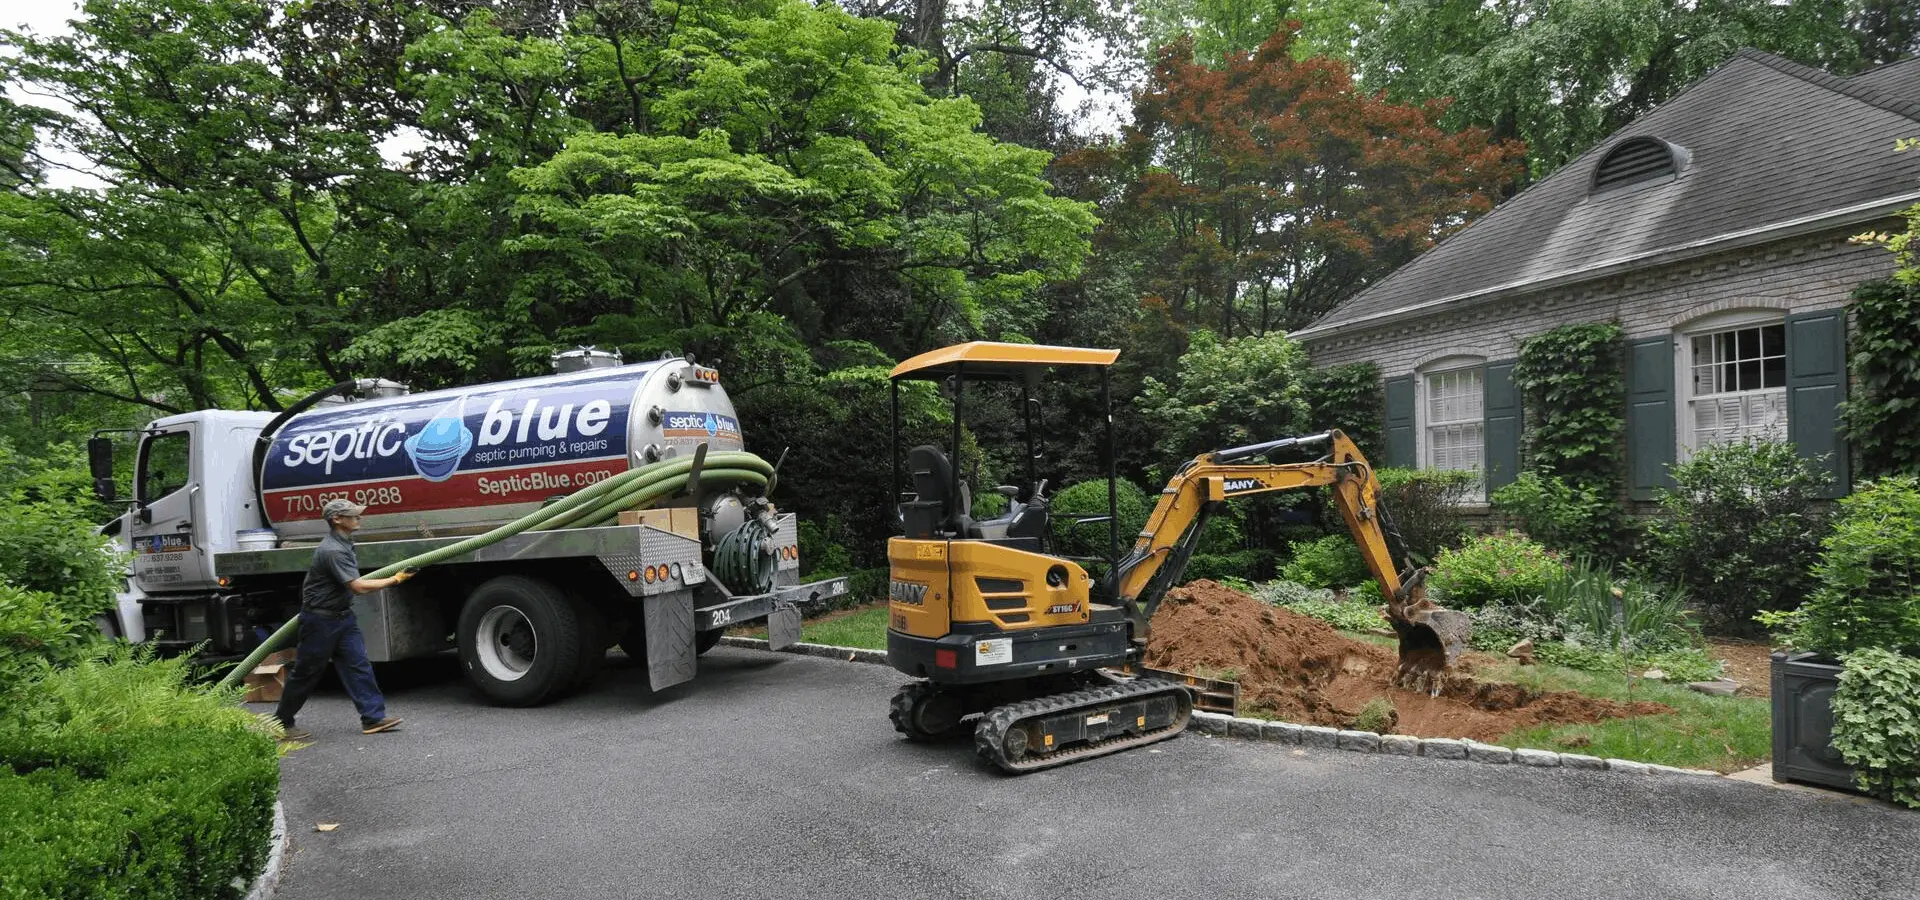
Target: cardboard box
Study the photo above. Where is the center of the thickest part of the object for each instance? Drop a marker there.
(680, 520)
(265, 682)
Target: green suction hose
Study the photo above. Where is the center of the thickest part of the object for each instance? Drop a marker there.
(598, 504)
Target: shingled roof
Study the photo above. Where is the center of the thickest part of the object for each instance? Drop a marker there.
(1764, 146)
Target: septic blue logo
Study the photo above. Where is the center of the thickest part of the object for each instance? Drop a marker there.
(437, 449)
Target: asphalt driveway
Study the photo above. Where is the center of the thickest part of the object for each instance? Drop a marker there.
(778, 776)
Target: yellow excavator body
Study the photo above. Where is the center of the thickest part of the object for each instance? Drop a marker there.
(1033, 651)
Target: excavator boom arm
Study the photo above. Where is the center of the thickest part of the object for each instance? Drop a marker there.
(1157, 559)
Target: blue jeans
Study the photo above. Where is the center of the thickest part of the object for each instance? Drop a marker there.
(335, 641)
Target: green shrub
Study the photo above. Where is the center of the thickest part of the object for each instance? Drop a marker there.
(1740, 530)
(1580, 601)
(1567, 518)
(1868, 576)
(1089, 498)
(1423, 505)
(1876, 723)
(145, 813)
(1496, 568)
(120, 778)
(36, 632)
(47, 545)
(820, 553)
(124, 687)
(1328, 562)
(1348, 614)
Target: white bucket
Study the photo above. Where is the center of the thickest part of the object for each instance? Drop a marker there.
(256, 539)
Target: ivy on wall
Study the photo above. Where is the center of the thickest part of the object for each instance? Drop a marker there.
(1350, 398)
(1572, 382)
(1883, 418)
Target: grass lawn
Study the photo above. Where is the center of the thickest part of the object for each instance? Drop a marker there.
(861, 626)
(1725, 734)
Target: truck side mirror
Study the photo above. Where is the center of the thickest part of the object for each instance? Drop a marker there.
(100, 465)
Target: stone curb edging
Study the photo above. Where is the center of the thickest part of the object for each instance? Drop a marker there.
(825, 651)
(269, 879)
(1287, 733)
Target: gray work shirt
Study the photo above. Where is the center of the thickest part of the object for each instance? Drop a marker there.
(335, 565)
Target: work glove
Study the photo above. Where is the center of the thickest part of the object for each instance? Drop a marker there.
(401, 576)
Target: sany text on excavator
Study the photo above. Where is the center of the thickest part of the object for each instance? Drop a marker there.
(1040, 657)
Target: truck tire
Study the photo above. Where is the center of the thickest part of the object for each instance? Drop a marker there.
(519, 641)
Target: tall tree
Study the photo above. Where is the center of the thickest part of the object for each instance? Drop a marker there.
(1561, 75)
(1260, 193)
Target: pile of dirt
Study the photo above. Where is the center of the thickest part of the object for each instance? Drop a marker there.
(1297, 668)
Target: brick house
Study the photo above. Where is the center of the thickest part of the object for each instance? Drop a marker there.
(1713, 229)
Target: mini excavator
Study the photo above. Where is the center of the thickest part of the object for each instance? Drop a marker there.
(1041, 659)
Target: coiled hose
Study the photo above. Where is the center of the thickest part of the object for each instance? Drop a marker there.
(744, 559)
(599, 504)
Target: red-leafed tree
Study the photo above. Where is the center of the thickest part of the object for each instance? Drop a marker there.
(1257, 195)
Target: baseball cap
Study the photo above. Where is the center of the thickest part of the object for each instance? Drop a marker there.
(338, 507)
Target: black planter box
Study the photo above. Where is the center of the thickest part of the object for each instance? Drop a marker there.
(1803, 686)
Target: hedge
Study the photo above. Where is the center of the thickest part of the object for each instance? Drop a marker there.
(147, 813)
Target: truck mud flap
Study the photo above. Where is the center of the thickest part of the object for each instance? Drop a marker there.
(783, 628)
(671, 657)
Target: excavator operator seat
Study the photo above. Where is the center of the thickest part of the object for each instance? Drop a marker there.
(934, 511)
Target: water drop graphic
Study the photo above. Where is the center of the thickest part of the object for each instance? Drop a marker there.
(436, 450)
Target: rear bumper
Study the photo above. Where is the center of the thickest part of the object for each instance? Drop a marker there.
(984, 654)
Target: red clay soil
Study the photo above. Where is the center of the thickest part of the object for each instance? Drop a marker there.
(1299, 669)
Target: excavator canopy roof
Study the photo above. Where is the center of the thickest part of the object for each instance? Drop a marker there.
(990, 359)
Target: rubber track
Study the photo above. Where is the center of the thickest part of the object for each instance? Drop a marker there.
(990, 736)
(900, 711)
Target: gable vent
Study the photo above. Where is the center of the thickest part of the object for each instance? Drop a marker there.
(1635, 160)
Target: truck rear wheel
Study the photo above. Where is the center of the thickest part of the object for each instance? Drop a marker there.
(519, 641)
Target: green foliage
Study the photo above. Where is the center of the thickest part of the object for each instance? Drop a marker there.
(1868, 576)
(1573, 384)
(1424, 506)
(1229, 394)
(1580, 602)
(1351, 398)
(1377, 716)
(1883, 415)
(1328, 562)
(144, 813)
(1088, 499)
(120, 778)
(36, 632)
(47, 543)
(1561, 76)
(1876, 723)
(1348, 614)
(820, 553)
(1563, 515)
(1739, 531)
(1494, 568)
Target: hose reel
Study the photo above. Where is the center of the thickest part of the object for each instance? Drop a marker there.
(747, 558)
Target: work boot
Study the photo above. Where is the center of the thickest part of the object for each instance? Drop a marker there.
(296, 734)
(387, 724)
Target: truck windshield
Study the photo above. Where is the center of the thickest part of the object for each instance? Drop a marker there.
(163, 464)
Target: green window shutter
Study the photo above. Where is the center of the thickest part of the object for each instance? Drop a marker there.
(1400, 444)
(1502, 432)
(1650, 441)
(1816, 383)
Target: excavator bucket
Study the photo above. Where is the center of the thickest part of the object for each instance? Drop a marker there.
(1432, 637)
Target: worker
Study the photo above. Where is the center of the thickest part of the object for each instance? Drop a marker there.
(328, 631)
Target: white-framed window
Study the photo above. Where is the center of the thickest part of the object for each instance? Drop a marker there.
(1453, 417)
(1733, 372)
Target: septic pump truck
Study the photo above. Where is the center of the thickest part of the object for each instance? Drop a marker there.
(1023, 644)
(225, 516)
